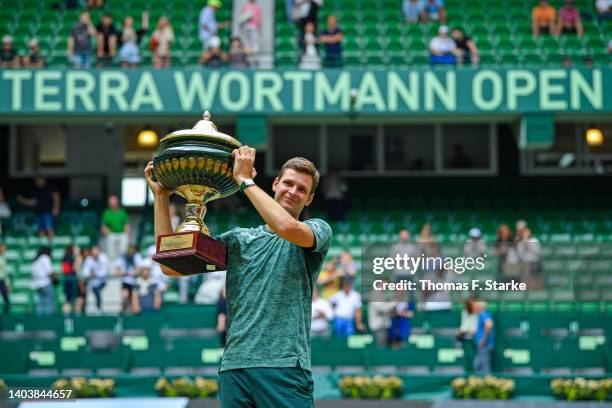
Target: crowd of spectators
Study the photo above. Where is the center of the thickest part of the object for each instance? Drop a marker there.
(106, 45)
(112, 46)
(304, 15)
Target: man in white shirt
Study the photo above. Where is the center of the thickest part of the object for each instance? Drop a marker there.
(95, 270)
(442, 48)
(156, 272)
(42, 271)
(347, 308)
(475, 247)
(322, 314)
(125, 266)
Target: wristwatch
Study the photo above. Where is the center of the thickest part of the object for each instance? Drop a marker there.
(246, 183)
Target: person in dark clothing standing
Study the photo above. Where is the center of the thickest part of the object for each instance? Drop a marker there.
(106, 39)
(332, 37)
(308, 11)
(70, 264)
(79, 42)
(46, 204)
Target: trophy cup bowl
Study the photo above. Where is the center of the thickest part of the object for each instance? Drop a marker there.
(197, 165)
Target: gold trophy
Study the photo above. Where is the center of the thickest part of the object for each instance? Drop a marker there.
(197, 165)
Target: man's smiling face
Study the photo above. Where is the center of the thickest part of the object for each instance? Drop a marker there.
(293, 191)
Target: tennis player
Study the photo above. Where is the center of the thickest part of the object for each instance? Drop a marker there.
(271, 272)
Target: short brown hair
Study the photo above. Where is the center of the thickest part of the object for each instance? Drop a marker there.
(302, 165)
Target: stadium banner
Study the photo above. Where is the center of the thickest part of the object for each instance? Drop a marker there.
(291, 92)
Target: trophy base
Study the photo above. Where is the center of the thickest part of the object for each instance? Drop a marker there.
(190, 253)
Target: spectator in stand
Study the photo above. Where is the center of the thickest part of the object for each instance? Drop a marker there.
(604, 9)
(543, 17)
(403, 312)
(156, 272)
(380, 309)
(290, 10)
(106, 41)
(115, 228)
(129, 40)
(403, 247)
(95, 4)
(518, 228)
(222, 317)
(210, 288)
(413, 10)
(71, 262)
(239, 55)
(529, 252)
(322, 314)
(347, 310)
(307, 11)
(79, 42)
(186, 285)
(5, 210)
(426, 241)
(8, 56)
(442, 49)
(347, 265)
(434, 271)
(506, 253)
(175, 220)
(467, 52)
(334, 189)
(433, 10)
(34, 58)
(484, 339)
(214, 56)
(125, 266)
(569, 20)
(82, 296)
(145, 295)
(46, 203)
(332, 37)
(208, 22)
(161, 43)
(43, 282)
(466, 332)
(310, 57)
(329, 279)
(250, 25)
(5, 283)
(475, 247)
(95, 271)
(609, 49)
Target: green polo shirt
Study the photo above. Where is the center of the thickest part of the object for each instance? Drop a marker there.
(115, 221)
(269, 296)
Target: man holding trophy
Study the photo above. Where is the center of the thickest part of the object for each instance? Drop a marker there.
(271, 269)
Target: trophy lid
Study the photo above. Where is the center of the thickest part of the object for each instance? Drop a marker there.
(205, 128)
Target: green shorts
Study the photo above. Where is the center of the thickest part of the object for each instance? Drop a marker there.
(266, 387)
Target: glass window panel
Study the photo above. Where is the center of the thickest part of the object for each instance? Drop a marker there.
(409, 148)
(465, 146)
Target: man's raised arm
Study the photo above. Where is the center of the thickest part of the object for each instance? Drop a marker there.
(161, 211)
